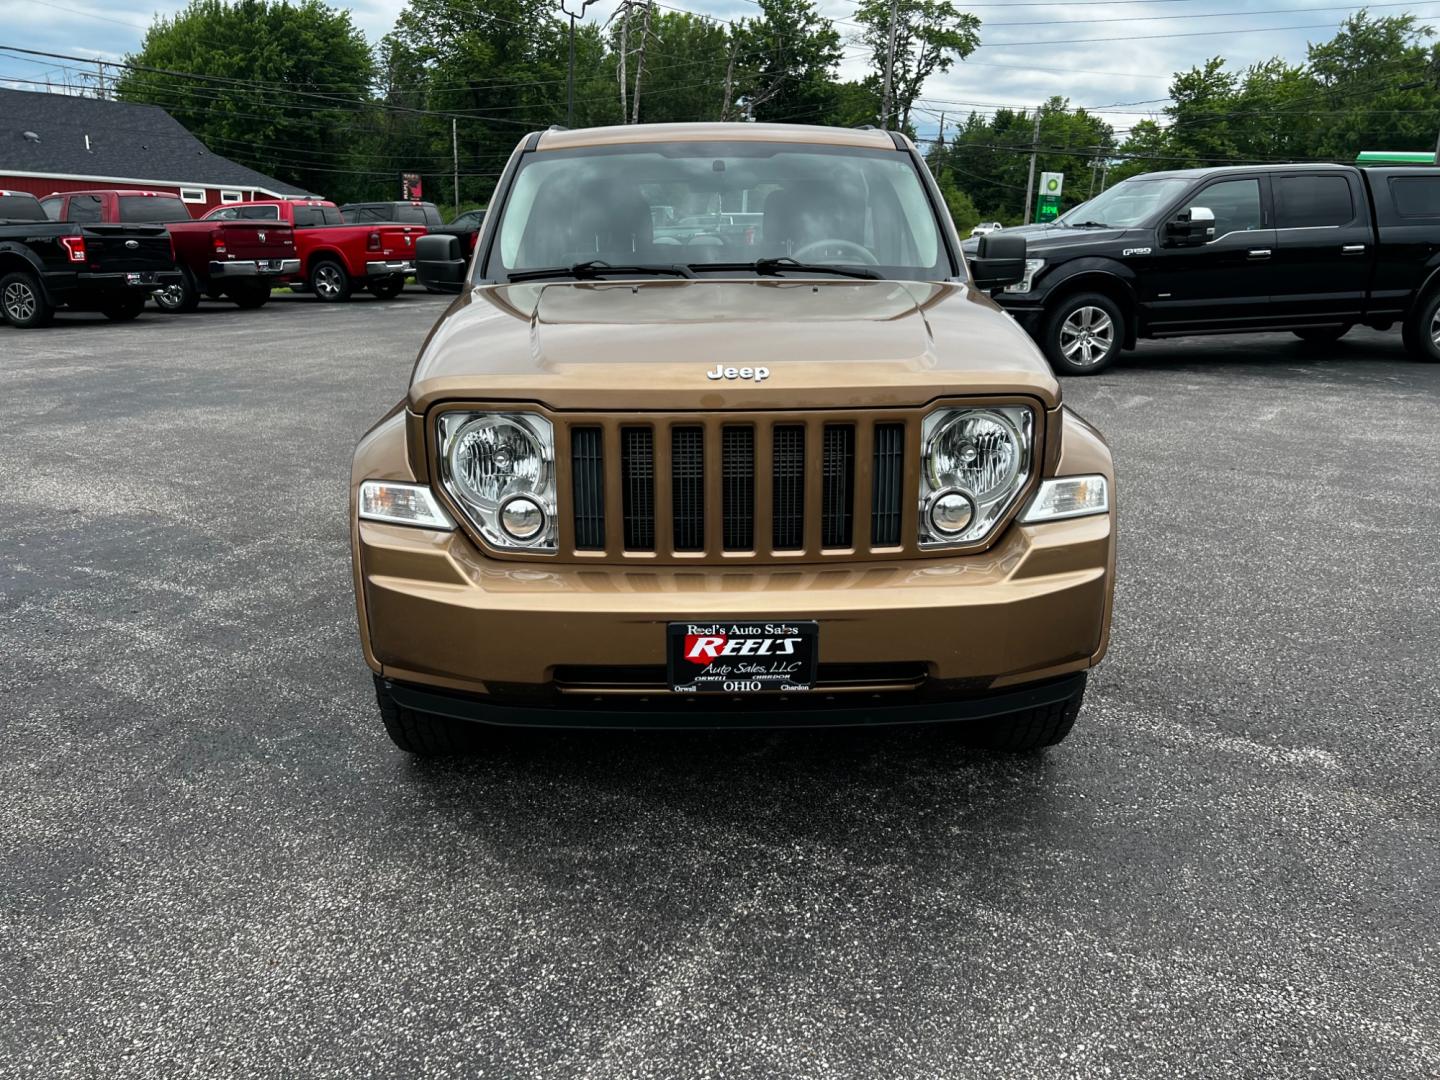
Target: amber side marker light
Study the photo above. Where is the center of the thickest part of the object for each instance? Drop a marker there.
(1067, 497)
(402, 504)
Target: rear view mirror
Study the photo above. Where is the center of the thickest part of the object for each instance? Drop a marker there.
(999, 261)
(1192, 227)
(439, 263)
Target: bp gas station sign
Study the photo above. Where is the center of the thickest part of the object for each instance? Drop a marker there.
(1051, 186)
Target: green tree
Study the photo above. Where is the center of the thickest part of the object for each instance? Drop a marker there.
(785, 62)
(930, 36)
(280, 87)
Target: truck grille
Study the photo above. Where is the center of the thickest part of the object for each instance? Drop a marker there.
(671, 489)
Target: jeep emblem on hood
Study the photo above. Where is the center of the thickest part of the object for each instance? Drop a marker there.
(759, 374)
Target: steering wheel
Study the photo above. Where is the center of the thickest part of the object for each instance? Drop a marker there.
(863, 254)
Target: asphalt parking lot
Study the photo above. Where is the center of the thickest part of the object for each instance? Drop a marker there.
(214, 864)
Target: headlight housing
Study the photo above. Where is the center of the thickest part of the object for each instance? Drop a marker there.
(499, 469)
(976, 462)
(1032, 267)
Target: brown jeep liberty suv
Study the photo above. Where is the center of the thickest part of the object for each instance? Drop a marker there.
(785, 464)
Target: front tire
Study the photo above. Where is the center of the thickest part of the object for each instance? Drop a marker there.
(1083, 334)
(1322, 335)
(1421, 332)
(424, 734)
(181, 298)
(329, 282)
(23, 303)
(1032, 729)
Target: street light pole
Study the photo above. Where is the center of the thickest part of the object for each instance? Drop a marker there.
(570, 94)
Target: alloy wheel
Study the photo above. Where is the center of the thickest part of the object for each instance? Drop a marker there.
(1086, 336)
(170, 297)
(327, 281)
(19, 301)
(1435, 329)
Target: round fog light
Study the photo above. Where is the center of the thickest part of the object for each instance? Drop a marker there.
(522, 518)
(951, 512)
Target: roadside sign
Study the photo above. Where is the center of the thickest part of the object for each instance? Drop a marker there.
(410, 185)
(1052, 185)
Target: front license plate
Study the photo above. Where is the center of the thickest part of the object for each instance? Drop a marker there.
(758, 657)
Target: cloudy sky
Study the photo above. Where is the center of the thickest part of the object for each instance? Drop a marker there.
(1113, 55)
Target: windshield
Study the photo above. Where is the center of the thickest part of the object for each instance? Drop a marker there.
(152, 208)
(1128, 204)
(720, 203)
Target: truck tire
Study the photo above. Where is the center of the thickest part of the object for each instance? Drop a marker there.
(249, 296)
(1422, 328)
(125, 309)
(180, 298)
(387, 288)
(1083, 334)
(329, 281)
(424, 734)
(23, 303)
(1033, 729)
(1322, 335)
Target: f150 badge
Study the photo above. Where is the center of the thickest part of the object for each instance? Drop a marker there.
(1136, 251)
(759, 374)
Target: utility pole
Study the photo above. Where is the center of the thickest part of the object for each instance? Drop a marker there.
(889, 67)
(1030, 183)
(640, 60)
(455, 161)
(624, 51)
(727, 103)
(570, 93)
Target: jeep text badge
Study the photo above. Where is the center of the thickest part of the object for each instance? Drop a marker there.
(759, 374)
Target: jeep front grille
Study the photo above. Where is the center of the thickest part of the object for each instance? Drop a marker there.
(742, 486)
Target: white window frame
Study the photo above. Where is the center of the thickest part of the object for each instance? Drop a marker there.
(232, 196)
(193, 195)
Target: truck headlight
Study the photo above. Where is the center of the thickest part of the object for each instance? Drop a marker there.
(499, 469)
(1032, 267)
(976, 461)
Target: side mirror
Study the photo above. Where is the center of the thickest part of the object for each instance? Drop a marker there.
(1192, 227)
(439, 263)
(999, 261)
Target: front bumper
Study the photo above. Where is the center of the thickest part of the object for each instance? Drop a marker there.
(435, 612)
(389, 267)
(252, 268)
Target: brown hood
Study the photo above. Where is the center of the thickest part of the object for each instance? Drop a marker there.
(648, 345)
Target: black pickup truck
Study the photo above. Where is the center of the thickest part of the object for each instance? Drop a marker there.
(1314, 249)
(47, 264)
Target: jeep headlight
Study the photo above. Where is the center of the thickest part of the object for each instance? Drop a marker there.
(499, 468)
(976, 461)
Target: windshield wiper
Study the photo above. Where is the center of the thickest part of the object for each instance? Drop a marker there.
(1089, 225)
(599, 269)
(772, 267)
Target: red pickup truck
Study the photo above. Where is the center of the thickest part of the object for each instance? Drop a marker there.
(237, 260)
(337, 258)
